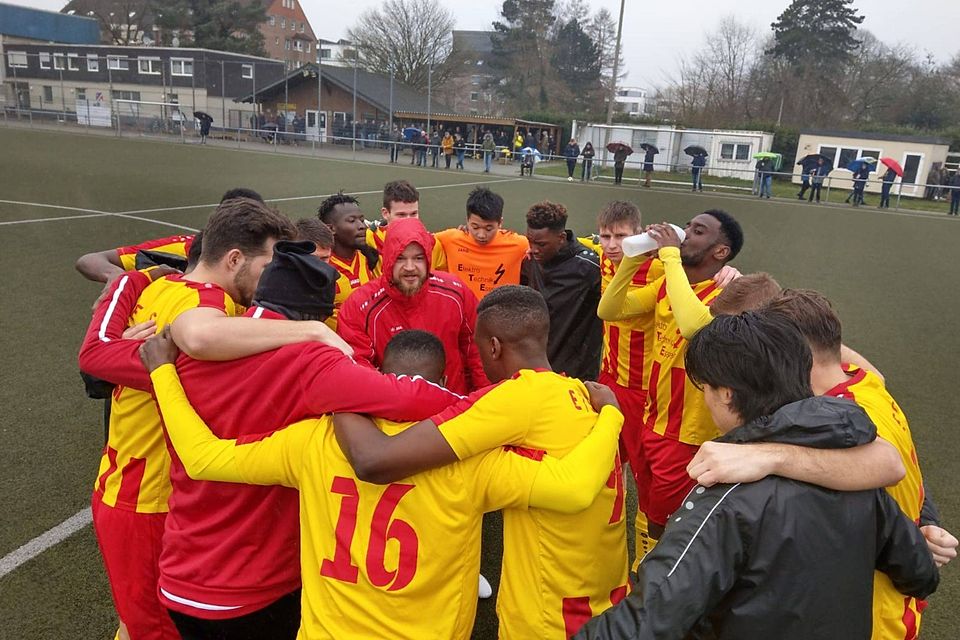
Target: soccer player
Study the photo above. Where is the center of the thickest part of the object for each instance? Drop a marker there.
(894, 616)
(106, 266)
(400, 200)
(485, 256)
(558, 570)
(221, 569)
(399, 561)
(676, 421)
(357, 263)
(133, 486)
(409, 296)
(567, 274)
(312, 230)
(773, 558)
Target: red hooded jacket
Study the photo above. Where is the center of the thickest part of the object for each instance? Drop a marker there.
(444, 306)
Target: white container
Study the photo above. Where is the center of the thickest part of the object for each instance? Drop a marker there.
(643, 243)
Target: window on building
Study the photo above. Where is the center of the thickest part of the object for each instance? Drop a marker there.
(475, 80)
(48, 93)
(286, 44)
(283, 23)
(73, 62)
(308, 47)
(734, 151)
(829, 152)
(847, 155)
(293, 25)
(93, 62)
(326, 54)
(118, 63)
(911, 168)
(474, 96)
(59, 61)
(125, 95)
(44, 60)
(276, 41)
(17, 59)
(81, 93)
(273, 21)
(181, 67)
(302, 27)
(246, 71)
(148, 66)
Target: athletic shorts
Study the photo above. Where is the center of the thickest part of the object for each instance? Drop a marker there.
(631, 405)
(663, 481)
(130, 545)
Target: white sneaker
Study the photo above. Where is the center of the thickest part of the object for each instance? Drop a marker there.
(485, 590)
(569, 179)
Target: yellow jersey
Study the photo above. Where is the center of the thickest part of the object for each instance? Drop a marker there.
(353, 275)
(134, 471)
(558, 570)
(895, 616)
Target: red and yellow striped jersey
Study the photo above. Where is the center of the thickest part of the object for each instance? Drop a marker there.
(628, 344)
(174, 245)
(376, 236)
(675, 408)
(482, 268)
(895, 616)
(545, 591)
(353, 275)
(135, 468)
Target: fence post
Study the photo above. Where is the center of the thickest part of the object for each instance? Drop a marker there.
(829, 183)
(899, 192)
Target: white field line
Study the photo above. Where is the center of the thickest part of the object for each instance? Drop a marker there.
(52, 206)
(44, 541)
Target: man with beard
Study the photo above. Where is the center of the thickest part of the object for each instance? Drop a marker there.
(357, 263)
(409, 296)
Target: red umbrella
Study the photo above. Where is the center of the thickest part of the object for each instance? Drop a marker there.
(893, 164)
(614, 146)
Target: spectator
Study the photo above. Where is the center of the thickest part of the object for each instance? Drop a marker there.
(619, 160)
(587, 167)
(435, 148)
(888, 179)
(859, 184)
(568, 275)
(954, 186)
(765, 176)
(816, 178)
(447, 144)
(415, 140)
(696, 171)
(422, 149)
(489, 147)
(571, 152)
(460, 147)
(396, 137)
(648, 166)
(933, 183)
(517, 145)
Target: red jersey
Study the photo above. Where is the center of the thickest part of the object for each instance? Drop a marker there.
(219, 558)
(444, 306)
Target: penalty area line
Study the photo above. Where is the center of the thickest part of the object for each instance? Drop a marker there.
(44, 541)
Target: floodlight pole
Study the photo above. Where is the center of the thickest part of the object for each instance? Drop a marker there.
(355, 56)
(429, 93)
(611, 98)
(390, 116)
(319, 97)
(223, 103)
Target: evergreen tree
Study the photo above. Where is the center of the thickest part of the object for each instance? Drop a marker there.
(816, 33)
(222, 25)
(521, 52)
(576, 60)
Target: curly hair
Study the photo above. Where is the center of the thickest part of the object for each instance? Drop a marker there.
(327, 206)
(547, 215)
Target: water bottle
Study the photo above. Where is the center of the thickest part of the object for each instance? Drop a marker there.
(642, 243)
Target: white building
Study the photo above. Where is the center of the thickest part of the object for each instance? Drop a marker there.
(633, 101)
(729, 153)
(335, 54)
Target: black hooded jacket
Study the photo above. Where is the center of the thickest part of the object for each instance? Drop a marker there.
(570, 283)
(776, 558)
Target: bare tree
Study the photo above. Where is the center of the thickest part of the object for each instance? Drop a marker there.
(876, 78)
(406, 37)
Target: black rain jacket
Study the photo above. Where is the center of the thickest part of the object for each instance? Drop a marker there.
(776, 558)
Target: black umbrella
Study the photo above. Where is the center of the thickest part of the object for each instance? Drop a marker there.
(695, 150)
(202, 115)
(646, 146)
(809, 162)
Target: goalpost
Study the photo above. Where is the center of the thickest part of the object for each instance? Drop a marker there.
(152, 118)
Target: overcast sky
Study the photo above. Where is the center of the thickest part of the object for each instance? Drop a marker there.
(657, 33)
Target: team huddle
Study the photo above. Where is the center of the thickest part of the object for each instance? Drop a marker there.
(306, 422)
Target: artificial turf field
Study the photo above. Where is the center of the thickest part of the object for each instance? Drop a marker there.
(890, 275)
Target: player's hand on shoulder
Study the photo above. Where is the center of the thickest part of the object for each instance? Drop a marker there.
(159, 350)
(140, 331)
(723, 462)
(601, 395)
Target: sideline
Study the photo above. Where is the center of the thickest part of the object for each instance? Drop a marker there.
(44, 541)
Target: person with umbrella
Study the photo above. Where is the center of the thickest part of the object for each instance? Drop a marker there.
(649, 152)
(620, 152)
(809, 165)
(953, 184)
(861, 171)
(696, 172)
(765, 173)
(587, 167)
(817, 175)
(205, 120)
(571, 152)
(893, 170)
